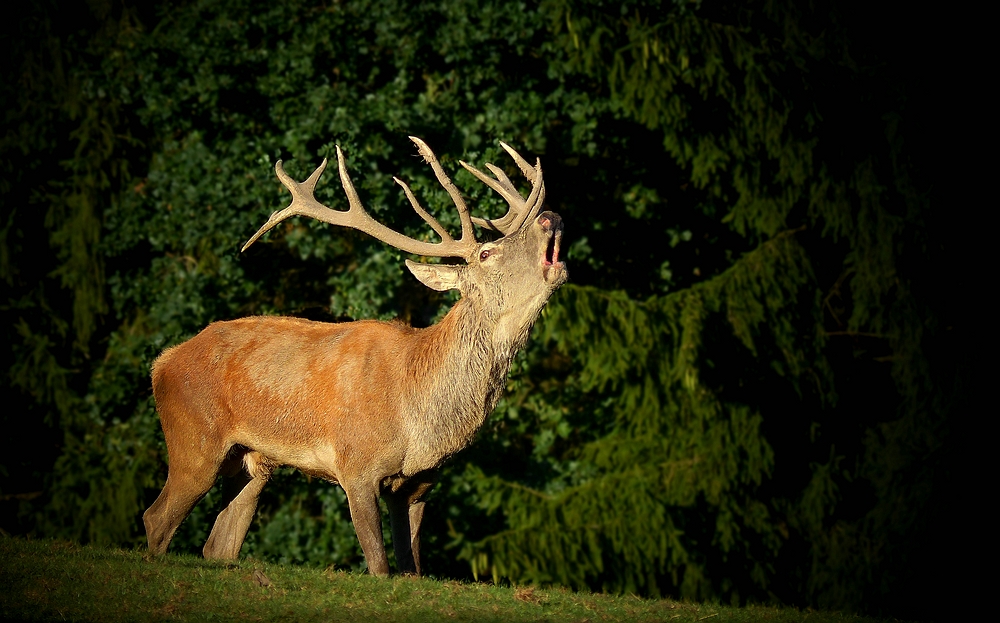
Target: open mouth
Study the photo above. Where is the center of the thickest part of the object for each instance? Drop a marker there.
(552, 248)
(553, 270)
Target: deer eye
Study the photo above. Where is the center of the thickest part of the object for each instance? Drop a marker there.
(485, 254)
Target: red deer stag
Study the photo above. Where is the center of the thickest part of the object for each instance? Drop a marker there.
(373, 406)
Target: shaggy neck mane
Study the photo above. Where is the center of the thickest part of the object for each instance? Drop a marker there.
(461, 364)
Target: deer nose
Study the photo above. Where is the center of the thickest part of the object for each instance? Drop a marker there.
(550, 221)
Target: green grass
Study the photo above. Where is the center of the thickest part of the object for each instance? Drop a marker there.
(58, 581)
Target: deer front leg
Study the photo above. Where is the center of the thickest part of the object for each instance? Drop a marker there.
(363, 501)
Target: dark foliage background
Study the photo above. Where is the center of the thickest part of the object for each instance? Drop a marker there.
(756, 387)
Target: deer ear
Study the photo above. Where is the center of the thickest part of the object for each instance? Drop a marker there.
(438, 277)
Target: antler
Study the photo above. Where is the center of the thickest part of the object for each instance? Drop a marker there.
(521, 209)
(356, 217)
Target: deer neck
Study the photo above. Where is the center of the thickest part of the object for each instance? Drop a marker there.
(461, 375)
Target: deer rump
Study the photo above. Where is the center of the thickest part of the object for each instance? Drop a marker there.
(373, 406)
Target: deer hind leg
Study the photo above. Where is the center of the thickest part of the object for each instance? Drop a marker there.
(245, 474)
(406, 512)
(416, 516)
(362, 497)
(187, 483)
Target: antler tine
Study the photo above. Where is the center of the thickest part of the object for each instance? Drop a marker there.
(534, 202)
(502, 178)
(445, 181)
(526, 169)
(419, 209)
(302, 193)
(356, 217)
(534, 174)
(521, 209)
(506, 191)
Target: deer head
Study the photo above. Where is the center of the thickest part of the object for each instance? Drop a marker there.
(509, 279)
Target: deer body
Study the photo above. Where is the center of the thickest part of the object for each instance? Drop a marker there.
(373, 406)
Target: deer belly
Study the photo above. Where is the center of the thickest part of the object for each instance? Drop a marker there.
(315, 458)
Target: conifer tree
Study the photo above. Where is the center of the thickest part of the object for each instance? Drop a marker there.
(724, 402)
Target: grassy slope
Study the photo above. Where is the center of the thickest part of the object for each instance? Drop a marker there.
(46, 580)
